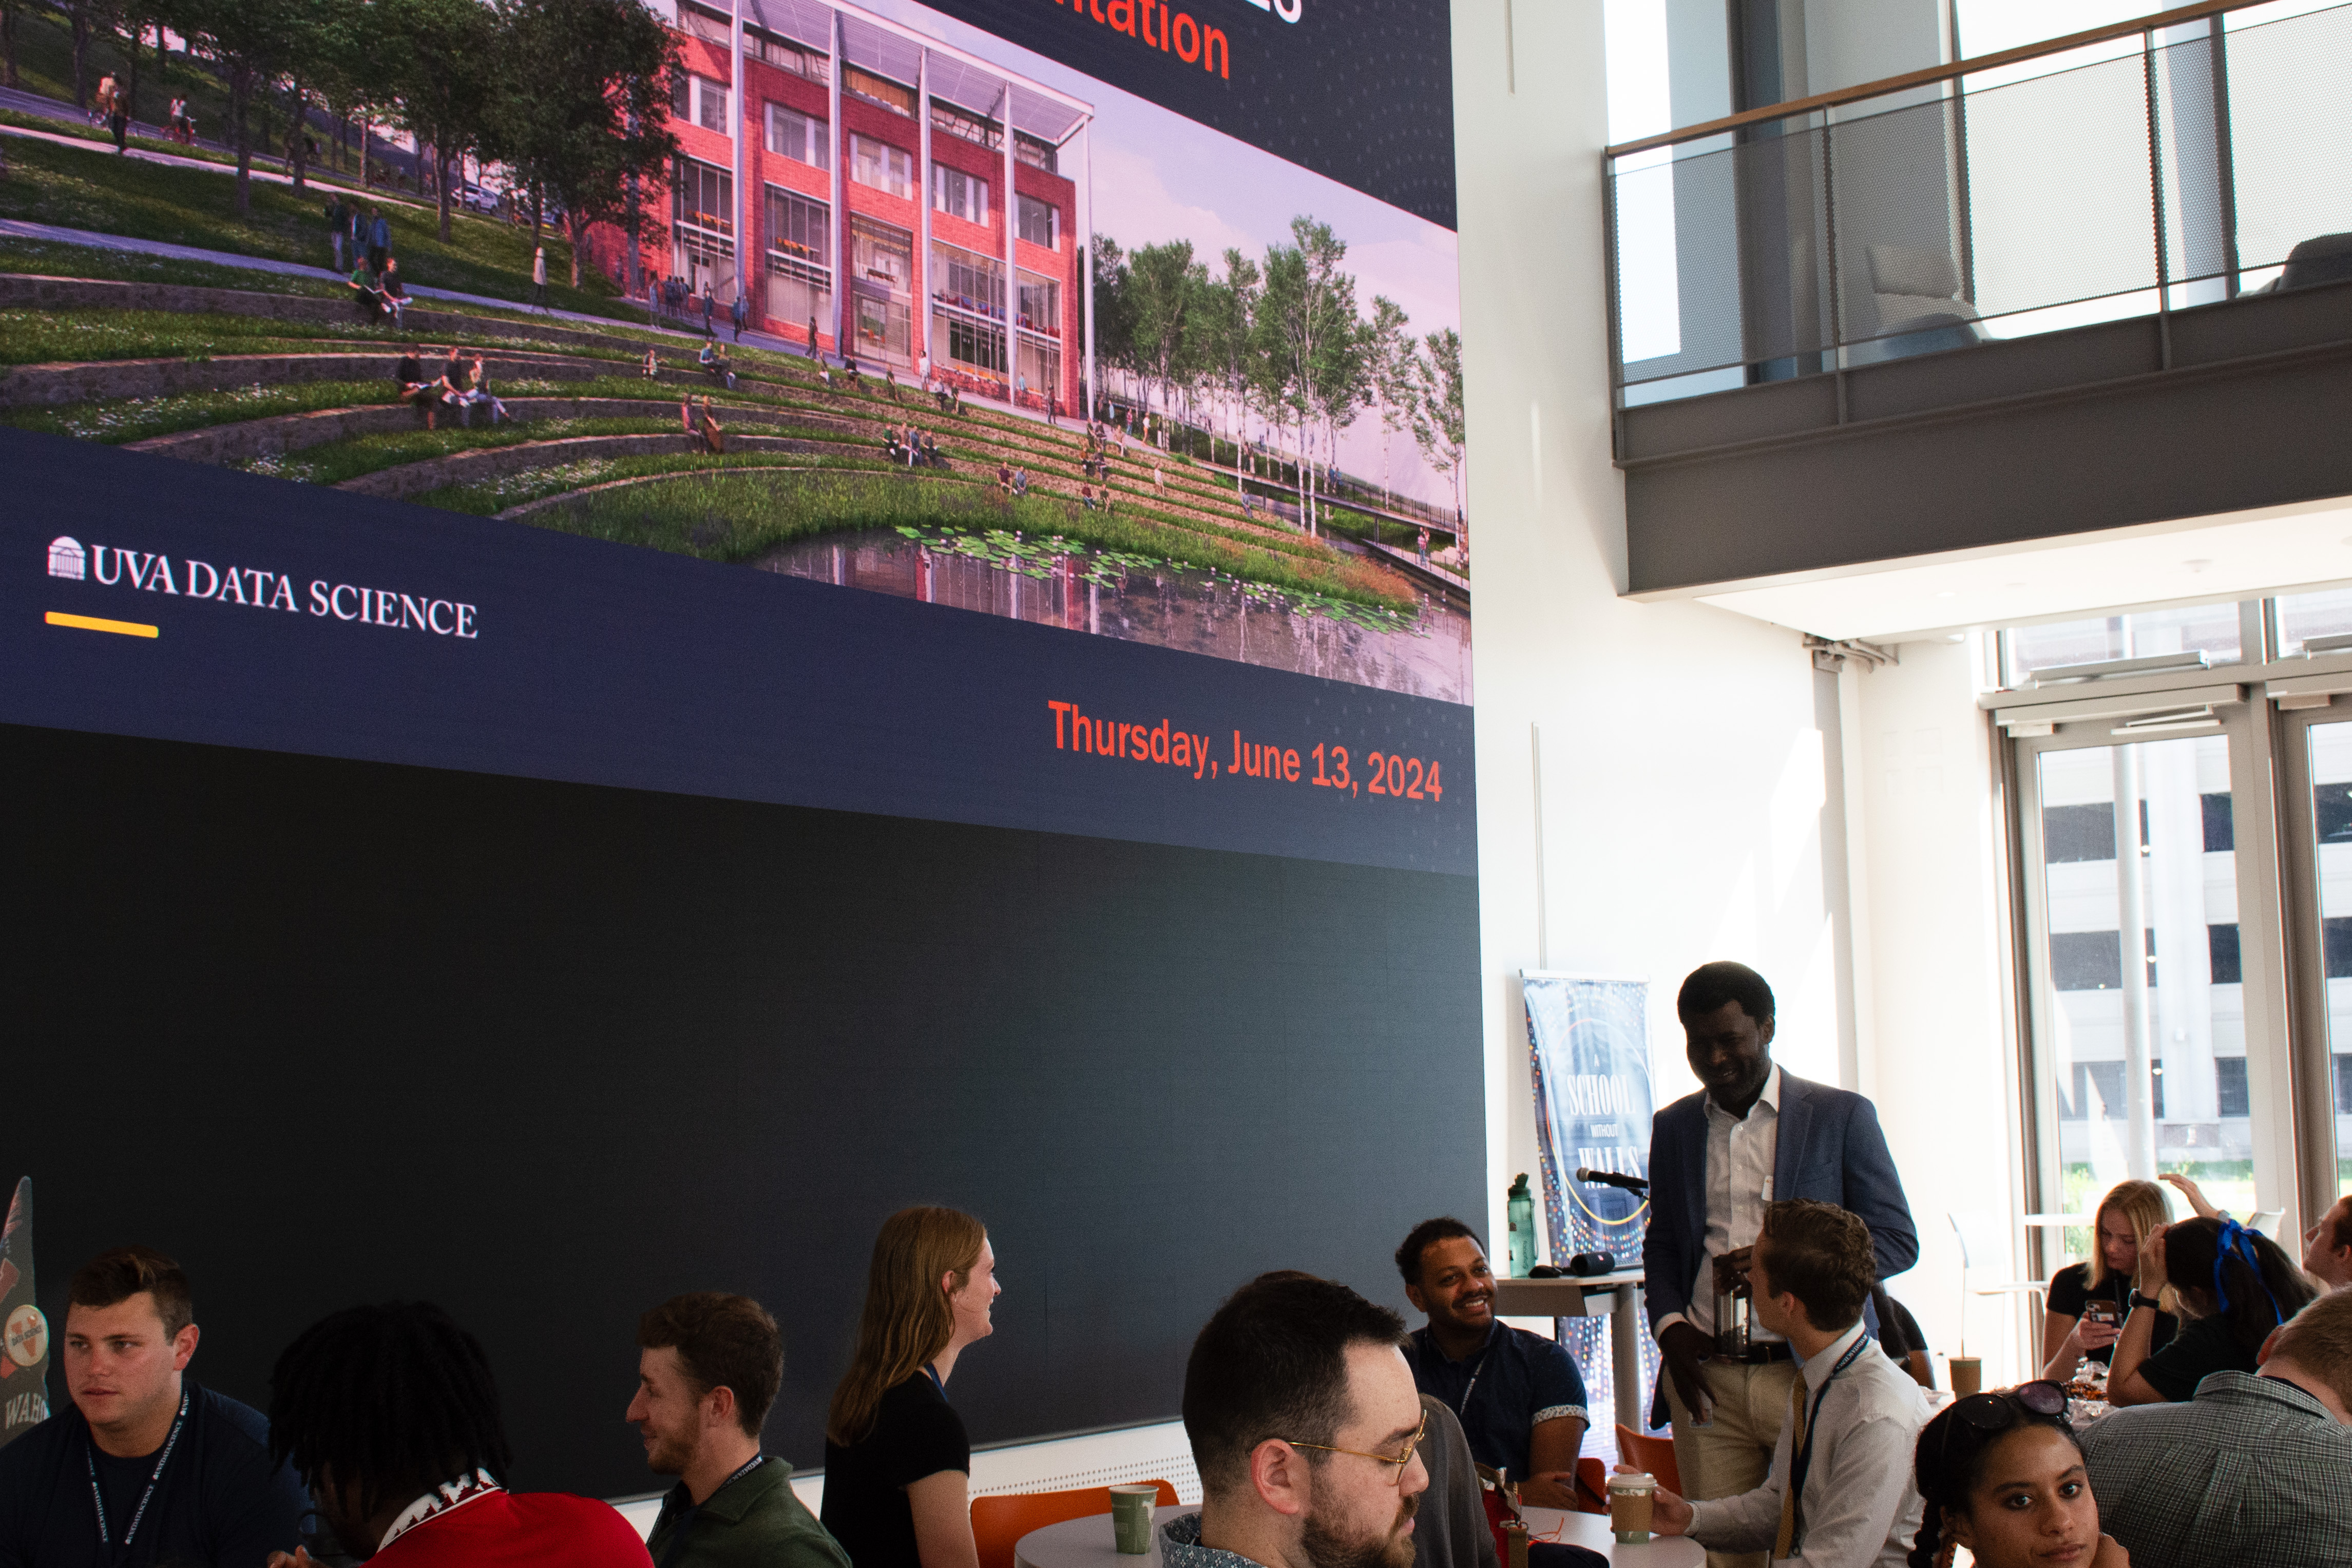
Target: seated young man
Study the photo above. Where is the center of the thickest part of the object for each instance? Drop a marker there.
(2253, 1468)
(1518, 1395)
(390, 1416)
(1840, 1493)
(144, 1465)
(708, 1365)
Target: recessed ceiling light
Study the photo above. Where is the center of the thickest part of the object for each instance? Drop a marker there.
(2012, 584)
(2197, 565)
(1949, 593)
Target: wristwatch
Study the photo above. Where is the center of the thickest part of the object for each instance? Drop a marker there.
(2150, 1303)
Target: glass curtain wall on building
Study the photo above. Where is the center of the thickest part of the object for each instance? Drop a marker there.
(800, 262)
(703, 241)
(2319, 843)
(968, 310)
(882, 274)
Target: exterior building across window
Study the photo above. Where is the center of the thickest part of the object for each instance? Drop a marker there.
(881, 165)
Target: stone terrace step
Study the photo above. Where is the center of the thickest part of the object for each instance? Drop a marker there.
(278, 434)
(484, 464)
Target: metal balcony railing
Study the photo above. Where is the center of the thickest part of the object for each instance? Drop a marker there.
(2139, 169)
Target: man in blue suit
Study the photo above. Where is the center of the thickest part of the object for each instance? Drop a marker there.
(1752, 1135)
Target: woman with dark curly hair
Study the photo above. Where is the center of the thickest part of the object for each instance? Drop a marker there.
(2234, 1286)
(2001, 1475)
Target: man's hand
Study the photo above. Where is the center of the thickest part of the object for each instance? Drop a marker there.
(1551, 1489)
(1731, 1271)
(1669, 1514)
(1683, 1349)
(2111, 1554)
(298, 1558)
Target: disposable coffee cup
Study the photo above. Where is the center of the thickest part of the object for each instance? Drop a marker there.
(1967, 1375)
(1130, 1518)
(1632, 1499)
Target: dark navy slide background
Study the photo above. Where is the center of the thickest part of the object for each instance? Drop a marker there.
(608, 664)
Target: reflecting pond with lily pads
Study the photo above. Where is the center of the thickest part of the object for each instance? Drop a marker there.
(1056, 583)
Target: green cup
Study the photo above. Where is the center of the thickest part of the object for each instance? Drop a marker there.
(1130, 1518)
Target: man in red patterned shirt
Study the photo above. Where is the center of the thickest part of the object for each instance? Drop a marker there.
(391, 1418)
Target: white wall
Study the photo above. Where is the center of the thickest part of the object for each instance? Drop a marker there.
(1687, 752)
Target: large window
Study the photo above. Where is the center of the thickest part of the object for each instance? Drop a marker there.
(968, 309)
(702, 226)
(1040, 304)
(1041, 223)
(2187, 892)
(800, 137)
(800, 255)
(959, 194)
(699, 101)
(881, 255)
(878, 90)
(964, 123)
(881, 165)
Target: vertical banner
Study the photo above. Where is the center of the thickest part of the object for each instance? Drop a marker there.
(23, 1333)
(1587, 1041)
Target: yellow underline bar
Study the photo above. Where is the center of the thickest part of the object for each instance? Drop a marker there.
(93, 623)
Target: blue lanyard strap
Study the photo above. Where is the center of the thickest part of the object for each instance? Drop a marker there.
(97, 1498)
(1803, 1460)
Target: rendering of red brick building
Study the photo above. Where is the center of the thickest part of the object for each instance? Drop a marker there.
(870, 165)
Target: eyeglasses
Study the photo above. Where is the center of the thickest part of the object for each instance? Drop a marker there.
(1396, 1462)
(1998, 1411)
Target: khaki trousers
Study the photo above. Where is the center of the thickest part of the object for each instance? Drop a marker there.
(1733, 1453)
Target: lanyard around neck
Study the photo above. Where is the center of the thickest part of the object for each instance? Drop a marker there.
(98, 1496)
(1802, 1462)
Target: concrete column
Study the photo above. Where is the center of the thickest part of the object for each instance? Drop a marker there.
(743, 230)
(920, 337)
(839, 220)
(1012, 268)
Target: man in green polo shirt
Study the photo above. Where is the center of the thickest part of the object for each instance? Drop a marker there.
(707, 1370)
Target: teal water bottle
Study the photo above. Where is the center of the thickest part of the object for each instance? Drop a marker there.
(1520, 1206)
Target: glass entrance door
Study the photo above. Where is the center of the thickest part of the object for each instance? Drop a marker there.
(2137, 989)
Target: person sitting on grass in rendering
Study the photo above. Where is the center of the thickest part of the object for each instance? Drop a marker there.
(365, 292)
(891, 446)
(714, 364)
(1004, 478)
(1020, 483)
(849, 368)
(477, 393)
(1086, 497)
(714, 436)
(931, 452)
(396, 293)
(653, 364)
(417, 387)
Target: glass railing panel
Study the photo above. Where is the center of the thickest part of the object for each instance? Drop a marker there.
(2289, 82)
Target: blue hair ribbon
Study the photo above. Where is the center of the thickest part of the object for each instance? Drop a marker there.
(2235, 1240)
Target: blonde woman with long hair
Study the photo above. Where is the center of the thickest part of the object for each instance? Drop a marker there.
(2089, 1301)
(898, 1463)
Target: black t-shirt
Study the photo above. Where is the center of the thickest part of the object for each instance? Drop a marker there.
(219, 1503)
(916, 1433)
(2069, 1295)
(2204, 1345)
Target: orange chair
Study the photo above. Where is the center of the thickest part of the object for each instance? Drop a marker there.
(1591, 1486)
(1655, 1455)
(999, 1523)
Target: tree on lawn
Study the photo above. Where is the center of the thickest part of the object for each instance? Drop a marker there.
(1389, 356)
(1114, 314)
(443, 59)
(588, 119)
(1228, 319)
(1437, 423)
(1163, 288)
(249, 43)
(9, 11)
(1307, 324)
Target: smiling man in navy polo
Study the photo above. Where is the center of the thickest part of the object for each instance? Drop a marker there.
(1518, 1395)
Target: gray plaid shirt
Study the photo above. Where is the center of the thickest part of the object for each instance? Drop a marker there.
(2252, 1470)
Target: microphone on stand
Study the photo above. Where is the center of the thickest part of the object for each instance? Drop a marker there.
(1612, 1179)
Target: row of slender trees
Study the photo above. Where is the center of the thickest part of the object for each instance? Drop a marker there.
(572, 96)
(1283, 339)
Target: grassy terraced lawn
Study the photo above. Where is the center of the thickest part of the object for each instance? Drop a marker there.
(739, 514)
(332, 462)
(93, 189)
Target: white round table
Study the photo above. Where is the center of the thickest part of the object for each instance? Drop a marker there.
(1087, 1543)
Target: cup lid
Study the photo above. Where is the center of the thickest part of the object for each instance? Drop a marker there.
(1637, 1480)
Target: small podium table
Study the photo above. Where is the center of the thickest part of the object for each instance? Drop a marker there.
(1619, 1294)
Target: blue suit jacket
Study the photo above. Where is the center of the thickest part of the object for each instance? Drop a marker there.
(1829, 1148)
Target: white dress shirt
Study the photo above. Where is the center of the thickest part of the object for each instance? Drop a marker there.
(1739, 1156)
(1861, 1508)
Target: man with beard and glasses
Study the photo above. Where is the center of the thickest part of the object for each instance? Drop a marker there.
(1518, 1395)
(1304, 1427)
(707, 1370)
(391, 1418)
(1751, 1134)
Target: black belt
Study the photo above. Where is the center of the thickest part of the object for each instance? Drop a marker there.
(1758, 1355)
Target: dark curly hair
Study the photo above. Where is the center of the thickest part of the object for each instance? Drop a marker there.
(1948, 1463)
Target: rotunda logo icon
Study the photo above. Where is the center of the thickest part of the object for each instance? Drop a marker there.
(66, 557)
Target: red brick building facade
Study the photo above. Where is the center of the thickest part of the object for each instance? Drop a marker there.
(876, 165)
